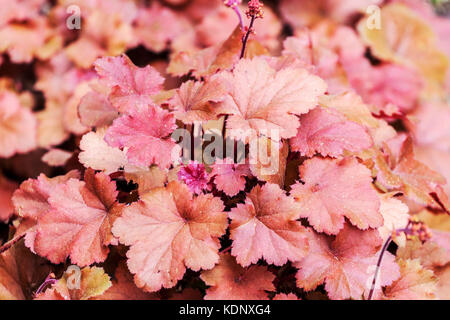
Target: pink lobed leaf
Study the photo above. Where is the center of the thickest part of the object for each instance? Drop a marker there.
(267, 214)
(79, 221)
(169, 230)
(18, 126)
(230, 281)
(346, 264)
(329, 133)
(335, 189)
(145, 132)
(131, 86)
(263, 99)
(230, 177)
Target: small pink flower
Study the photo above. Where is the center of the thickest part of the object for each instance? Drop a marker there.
(195, 176)
(232, 3)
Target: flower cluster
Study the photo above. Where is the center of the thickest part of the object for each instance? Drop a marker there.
(254, 9)
(143, 139)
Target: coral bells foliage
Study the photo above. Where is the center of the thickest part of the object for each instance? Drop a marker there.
(72, 217)
(345, 264)
(195, 150)
(169, 230)
(262, 98)
(267, 214)
(230, 281)
(230, 177)
(329, 133)
(145, 133)
(17, 125)
(334, 189)
(130, 86)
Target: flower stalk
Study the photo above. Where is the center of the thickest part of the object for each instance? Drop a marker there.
(414, 228)
(247, 35)
(253, 12)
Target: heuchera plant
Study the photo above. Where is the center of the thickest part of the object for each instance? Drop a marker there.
(224, 150)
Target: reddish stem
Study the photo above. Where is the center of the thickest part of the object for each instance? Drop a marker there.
(380, 259)
(244, 41)
(48, 281)
(226, 250)
(10, 243)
